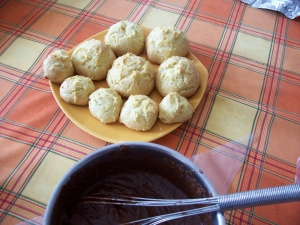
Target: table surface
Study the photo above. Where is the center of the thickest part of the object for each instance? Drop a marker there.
(251, 103)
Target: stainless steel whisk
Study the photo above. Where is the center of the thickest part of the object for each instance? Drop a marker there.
(239, 200)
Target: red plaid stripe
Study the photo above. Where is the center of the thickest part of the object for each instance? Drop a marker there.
(6, 200)
(71, 149)
(188, 15)
(41, 84)
(224, 146)
(239, 99)
(200, 117)
(187, 147)
(41, 141)
(18, 133)
(189, 131)
(280, 168)
(20, 177)
(139, 11)
(255, 32)
(214, 20)
(27, 209)
(263, 120)
(276, 61)
(41, 38)
(10, 74)
(288, 115)
(249, 64)
(18, 92)
(99, 19)
(66, 10)
(226, 46)
(293, 43)
(194, 132)
(6, 42)
(202, 50)
(265, 117)
(8, 103)
(80, 20)
(27, 21)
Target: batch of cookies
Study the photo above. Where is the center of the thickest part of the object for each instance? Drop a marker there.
(128, 75)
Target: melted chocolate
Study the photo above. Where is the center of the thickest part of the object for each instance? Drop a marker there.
(140, 178)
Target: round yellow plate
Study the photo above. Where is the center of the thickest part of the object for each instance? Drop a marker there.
(117, 132)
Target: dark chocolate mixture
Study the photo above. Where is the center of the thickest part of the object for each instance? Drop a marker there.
(149, 180)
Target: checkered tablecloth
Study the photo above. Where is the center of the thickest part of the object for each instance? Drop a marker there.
(251, 103)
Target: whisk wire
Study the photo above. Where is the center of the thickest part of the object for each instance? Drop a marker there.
(252, 198)
(136, 201)
(171, 216)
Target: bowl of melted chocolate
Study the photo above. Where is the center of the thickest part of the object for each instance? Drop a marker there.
(133, 169)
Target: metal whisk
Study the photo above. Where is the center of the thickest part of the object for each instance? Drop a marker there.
(265, 196)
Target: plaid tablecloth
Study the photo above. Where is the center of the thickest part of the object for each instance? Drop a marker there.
(252, 100)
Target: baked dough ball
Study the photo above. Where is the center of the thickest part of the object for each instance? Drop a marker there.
(58, 66)
(93, 59)
(105, 104)
(124, 37)
(165, 42)
(139, 112)
(76, 90)
(174, 108)
(131, 75)
(177, 74)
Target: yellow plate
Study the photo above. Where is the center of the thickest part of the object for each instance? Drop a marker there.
(117, 132)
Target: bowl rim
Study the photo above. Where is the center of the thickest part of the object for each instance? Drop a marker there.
(108, 148)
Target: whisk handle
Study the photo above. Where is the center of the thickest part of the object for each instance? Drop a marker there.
(258, 197)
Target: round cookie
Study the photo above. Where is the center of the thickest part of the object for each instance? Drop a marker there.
(165, 42)
(124, 37)
(58, 66)
(177, 74)
(131, 75)
(139, 112)
(105, 104)
(76, 90)
(92, 59)
(175, 108)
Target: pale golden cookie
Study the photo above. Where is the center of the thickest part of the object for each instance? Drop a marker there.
(105, 104)
(76, 90)
(175, 108)
(58, 66)
(177, 74)
(139, 112)
(93, 59)
(131, 75)
(124, 37)
(165, 42)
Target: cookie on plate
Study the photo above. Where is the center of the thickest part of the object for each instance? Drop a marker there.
(92, 59)
(177, 74)
(175, 108)
(139, 112)
(131, 75)
(105, 104)
(124, 37)
(165, 42)
(58, 66)
(76, 90)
